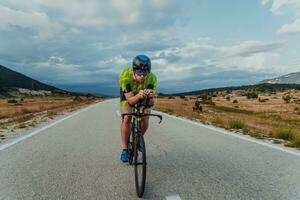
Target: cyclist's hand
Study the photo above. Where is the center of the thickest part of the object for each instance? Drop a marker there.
(150, 93)
(142, 94)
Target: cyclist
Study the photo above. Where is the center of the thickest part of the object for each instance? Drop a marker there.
(136, 83)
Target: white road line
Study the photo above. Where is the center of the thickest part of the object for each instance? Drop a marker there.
(173, 197)
(118, 113)
(219, 130)
(5, 146)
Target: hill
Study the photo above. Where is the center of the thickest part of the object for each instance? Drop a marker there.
(264, 87)
(292, 78)
(10, 78)
(13, 83)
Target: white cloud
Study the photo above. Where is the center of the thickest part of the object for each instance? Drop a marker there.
(290, 28)
(87, 35)
(281, 7)
(56, 60)
(101, 14)
(247, 56)
(38, 21)
(264, 2)
(57, 70)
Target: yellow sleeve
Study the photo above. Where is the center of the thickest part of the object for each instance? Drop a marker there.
(154, 83)
(123, 80)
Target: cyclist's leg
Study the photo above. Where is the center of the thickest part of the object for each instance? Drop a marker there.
(126, 123)
(145, 121)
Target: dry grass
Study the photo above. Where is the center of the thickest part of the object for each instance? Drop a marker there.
(256, 118)
(39, 104)
(22, 115)
(21, 125)
(51, 114)
(236, 124)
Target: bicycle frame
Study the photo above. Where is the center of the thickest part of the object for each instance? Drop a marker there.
(138, 139)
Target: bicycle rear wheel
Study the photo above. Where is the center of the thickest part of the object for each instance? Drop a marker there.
(140, 164)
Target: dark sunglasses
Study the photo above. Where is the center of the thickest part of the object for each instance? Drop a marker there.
(141, 72)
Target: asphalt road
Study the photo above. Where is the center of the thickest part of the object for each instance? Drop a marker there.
(78, 158)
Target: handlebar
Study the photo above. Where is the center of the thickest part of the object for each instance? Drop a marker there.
(142, 115)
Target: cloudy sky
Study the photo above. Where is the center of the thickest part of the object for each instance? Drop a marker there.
(193, 44)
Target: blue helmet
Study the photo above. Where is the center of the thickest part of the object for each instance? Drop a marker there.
(142, 62)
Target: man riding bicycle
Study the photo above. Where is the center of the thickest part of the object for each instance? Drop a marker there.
(136, 83)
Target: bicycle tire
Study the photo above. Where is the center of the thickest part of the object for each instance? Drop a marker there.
(130, 142)
(140, 164)
(131, 148)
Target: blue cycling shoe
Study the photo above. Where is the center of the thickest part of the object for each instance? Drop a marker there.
(125, 155)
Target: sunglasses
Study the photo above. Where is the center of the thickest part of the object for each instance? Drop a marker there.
(141, 72)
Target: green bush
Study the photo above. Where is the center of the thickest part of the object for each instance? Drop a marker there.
(197, 106)
(160, 95)
(12, 101)
(296, 140)
(218, 122)
(283, 133)
(251, 95)
(236, 124)
(287, 98)
(262, 100)
(205, 97)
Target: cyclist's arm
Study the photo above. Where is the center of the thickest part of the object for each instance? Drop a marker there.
(151, 102)
(133, 99)
(150, 93)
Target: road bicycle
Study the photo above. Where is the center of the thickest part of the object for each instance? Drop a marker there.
(136, 145)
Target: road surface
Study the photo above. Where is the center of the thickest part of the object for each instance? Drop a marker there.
(78, 158)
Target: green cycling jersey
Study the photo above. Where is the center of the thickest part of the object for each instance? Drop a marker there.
(128, 84)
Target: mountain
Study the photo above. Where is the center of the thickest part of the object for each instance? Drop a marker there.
(97, 89)
(11, 81)
(263, 87)
(292, 78)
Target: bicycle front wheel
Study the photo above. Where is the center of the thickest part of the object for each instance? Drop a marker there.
(131, 148)
(140, 164)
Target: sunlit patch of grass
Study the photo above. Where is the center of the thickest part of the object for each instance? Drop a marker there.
(252, 133)
(236, 124)
(32, 124)
(51, 114)
(21, 125)
(283, 133)
(2, 126)
(255, 134)
(3, 116)
(218, 122)
(232, 110)
(295, 142)
(24, 118)
(292, 136)
(26, 110)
